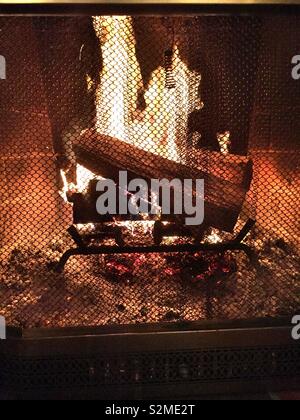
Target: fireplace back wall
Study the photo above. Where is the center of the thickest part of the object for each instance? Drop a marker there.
(198, 95)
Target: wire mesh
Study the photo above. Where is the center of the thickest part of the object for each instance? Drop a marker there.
(180, 97)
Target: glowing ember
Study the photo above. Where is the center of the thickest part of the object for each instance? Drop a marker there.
(214, 237)
(201, 268)
(171, 240)
(122, 268)
(196, 269)
(119, 271)
(135, 227)
(172, 271)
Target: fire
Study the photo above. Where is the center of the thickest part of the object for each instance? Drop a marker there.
(224, 142)
(66, 186)
(171, 240)
(83, 177)
(157, 128)
(167, 110)
(143, 227)
(120, 77)
(214, 237)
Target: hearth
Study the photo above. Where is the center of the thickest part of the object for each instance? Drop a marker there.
(198, 95)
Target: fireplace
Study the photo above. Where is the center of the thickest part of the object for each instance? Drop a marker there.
(198, 95)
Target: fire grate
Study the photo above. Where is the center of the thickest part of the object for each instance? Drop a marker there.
(164, 97)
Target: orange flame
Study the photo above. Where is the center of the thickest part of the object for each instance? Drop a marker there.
(165, 118)
(166, 115)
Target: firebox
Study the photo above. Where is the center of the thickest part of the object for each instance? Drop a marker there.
(205, 93)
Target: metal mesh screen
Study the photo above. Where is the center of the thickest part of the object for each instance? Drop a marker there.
(207, 97)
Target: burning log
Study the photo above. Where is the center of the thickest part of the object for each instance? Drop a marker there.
(173, 230)
(234, 168)
(106, 156)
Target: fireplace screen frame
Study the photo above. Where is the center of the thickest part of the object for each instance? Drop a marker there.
(280, 246)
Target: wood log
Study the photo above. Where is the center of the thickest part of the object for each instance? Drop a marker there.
(106, 156)
(234, 168)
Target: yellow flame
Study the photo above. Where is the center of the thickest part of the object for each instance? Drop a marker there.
(166, 115)
(83, 175)
(117, 94)
(224, 142)
(66, 186)
(89, 82)
(134, 227)
(165, 118)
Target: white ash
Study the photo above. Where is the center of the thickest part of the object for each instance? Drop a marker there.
(32, 295)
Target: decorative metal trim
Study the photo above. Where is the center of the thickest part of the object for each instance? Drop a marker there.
(150, 365)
